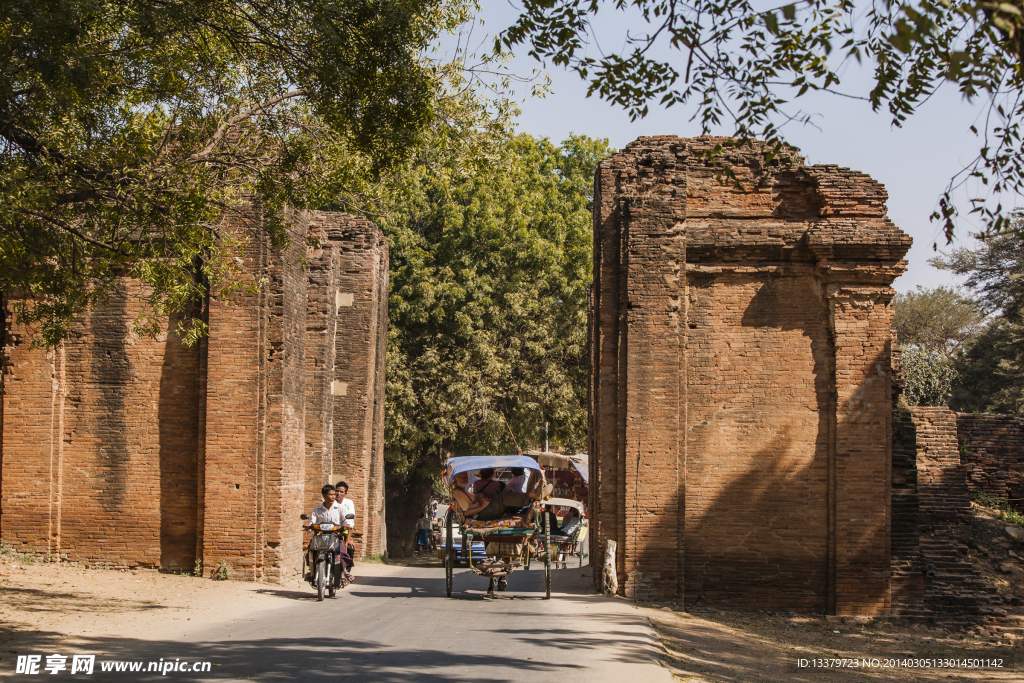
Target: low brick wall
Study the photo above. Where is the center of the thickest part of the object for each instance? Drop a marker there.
(992, 451)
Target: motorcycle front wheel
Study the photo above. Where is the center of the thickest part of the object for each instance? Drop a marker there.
(321, 578)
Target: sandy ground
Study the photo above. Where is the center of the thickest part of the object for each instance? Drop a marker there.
(48, 604)
(51, 604)
(711, 646)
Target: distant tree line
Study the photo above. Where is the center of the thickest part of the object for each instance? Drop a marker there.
(965, 347)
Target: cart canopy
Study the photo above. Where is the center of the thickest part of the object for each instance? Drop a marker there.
(557, 461)
(472, 463)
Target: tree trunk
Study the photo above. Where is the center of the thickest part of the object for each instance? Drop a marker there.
(407, 501)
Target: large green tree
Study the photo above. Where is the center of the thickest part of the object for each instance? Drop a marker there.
(991, 372)
(940, 320)
(746, 64)
(490, 273)
(129, 127)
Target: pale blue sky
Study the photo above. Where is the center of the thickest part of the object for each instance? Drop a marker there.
(914, 163)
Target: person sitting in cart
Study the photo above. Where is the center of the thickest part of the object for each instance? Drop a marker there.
(550, 517)
(487, 485)
(571, 522)
(490, 503)
(519, 480)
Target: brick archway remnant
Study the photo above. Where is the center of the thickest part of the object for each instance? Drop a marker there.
(740, 383)
(125, 450)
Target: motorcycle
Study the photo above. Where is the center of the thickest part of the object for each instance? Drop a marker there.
(323, 555)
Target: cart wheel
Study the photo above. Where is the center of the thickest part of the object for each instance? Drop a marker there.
(321, 578)
(449, 554)
(526, 557)
(467, 550)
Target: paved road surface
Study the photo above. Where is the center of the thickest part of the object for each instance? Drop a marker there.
(397, 625)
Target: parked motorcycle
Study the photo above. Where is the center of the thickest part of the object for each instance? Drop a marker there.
(320, 561)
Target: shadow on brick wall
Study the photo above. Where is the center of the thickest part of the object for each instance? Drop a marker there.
(178, 411)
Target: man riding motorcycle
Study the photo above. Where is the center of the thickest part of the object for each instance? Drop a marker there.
(330, 512)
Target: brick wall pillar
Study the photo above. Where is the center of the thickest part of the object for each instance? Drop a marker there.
(655, 397)
(606, 483)
(358, 382)
(860, 319)
(254, 459)
(321, 325)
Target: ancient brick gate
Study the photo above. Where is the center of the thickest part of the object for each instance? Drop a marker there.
(740, 378)
(120, 449)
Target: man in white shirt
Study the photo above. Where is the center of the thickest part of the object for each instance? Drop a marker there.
(327, 512)
(347, 508)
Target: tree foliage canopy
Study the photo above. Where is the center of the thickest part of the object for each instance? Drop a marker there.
(991, 372)
(745, 63)
(128, 127)
(490, 273)
(995, 269)
(942, 320)
(990, 376)
(928, 377)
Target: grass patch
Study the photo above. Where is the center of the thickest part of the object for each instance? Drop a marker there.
(222, 572)
(375, 559)
(9, 553)
(1006, 512)
(1012, 516)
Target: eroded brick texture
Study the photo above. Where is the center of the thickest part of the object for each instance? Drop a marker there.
(992, 450)
(120, 449)
(740, 383)
(930, 576)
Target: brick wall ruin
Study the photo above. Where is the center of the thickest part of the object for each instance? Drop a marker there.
(121, 449)
(740, 378)
(992, 450)
(930, 499)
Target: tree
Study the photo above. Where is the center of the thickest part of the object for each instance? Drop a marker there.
(995, 269)
(490, 273)
(990, 376)
(129, 127)
(942, 320)
(991, 373)
(744, 63)
(928, 377)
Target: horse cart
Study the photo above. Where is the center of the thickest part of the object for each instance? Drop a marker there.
(507, 538)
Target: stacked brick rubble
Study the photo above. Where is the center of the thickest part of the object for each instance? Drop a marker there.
(122, 449)
(908, 567)
(740, 384)
(941, 583)
(992, 450)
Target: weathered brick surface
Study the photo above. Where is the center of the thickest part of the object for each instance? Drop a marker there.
(101, 434)
(120, 449)
(992, 451)
(358, 386)
(740, 388)
(930, 500)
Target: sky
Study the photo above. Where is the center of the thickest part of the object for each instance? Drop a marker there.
(915, 162)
